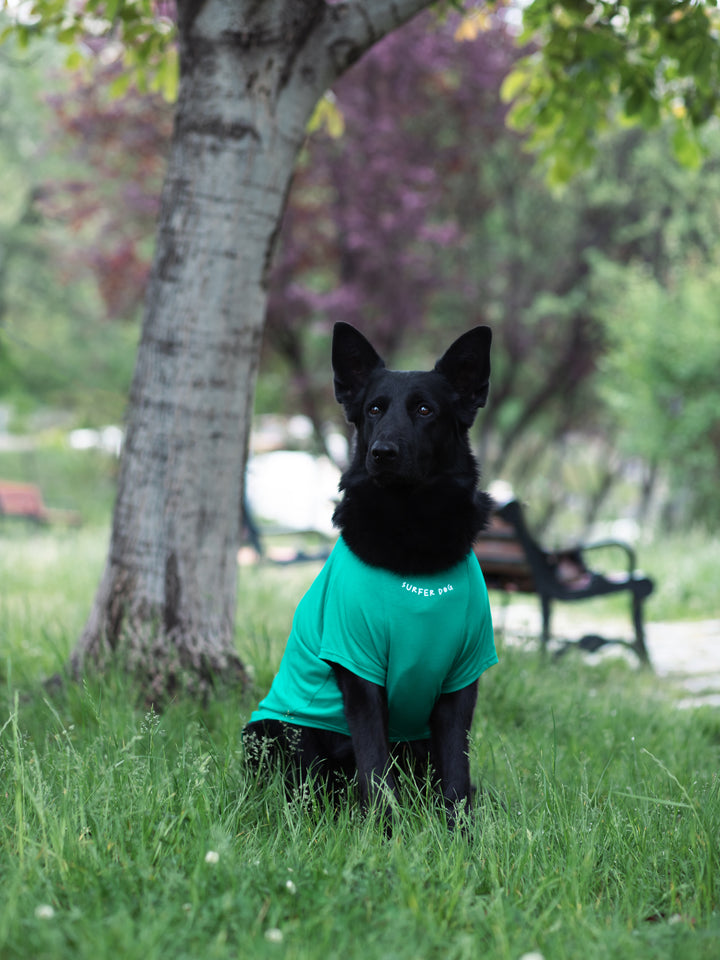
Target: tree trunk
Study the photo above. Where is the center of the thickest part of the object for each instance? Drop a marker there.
(251, 74)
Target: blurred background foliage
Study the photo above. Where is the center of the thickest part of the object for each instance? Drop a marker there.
(416, 212)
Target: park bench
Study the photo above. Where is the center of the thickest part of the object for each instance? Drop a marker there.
(24, 500)
(514, 562)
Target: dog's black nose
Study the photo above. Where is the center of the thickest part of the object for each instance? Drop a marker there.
(384, 451)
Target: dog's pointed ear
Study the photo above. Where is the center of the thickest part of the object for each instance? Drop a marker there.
(353, 360)
(466, 365)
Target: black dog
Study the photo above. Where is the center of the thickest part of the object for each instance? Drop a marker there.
(389, 642)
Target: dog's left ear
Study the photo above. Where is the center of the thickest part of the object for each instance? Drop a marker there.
(466, 365)
(353, 360)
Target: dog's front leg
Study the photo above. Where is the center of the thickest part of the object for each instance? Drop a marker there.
(450, 724)
(366, 711)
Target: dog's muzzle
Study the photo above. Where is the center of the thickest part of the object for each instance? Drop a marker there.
(387, 464)
(384, 453)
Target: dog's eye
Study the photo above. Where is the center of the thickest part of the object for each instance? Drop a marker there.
(424, 410)
(374, 410)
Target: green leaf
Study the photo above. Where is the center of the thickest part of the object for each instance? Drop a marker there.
(167, 76)
(75, 60)
(327, 115)
(120, 85)
(514, 83)
(687, 147)
(69, 35)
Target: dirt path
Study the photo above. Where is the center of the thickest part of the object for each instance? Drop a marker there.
(688, 653)
(684, 653)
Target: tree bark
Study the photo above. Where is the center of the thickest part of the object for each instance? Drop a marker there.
(251, 74)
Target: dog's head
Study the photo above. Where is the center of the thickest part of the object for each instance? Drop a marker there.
(411, 426)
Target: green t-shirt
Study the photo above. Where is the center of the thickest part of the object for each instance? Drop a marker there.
(418, 636)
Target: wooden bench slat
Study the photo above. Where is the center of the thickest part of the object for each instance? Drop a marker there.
(21, 500)
(25, 500)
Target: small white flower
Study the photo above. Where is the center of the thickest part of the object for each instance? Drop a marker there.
(44, 912)
(290, 887)
(533, 955)
(212, 856)
(273, 935)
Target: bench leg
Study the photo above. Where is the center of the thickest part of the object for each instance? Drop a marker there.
(545, 635)
(639, 645)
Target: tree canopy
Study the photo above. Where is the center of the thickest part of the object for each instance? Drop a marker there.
(597, 63)
(590, 63)
(250, 77)
(430, 179)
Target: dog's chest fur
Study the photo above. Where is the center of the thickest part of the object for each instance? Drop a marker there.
(421, 530)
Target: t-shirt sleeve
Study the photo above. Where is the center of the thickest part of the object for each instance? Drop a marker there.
(354, 632)
(478, 652)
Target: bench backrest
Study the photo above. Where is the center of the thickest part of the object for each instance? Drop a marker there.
(21, 500)
(551, 570)
(502, 558)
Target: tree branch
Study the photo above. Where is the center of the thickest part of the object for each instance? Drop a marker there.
(349, 29)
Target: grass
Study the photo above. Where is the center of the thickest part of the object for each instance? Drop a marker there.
(127, 834)
(684, 567)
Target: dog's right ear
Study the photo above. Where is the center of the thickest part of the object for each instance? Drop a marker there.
(353, 360)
